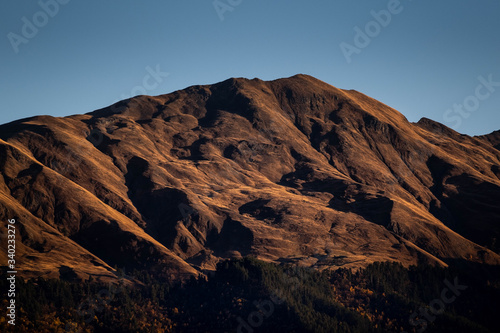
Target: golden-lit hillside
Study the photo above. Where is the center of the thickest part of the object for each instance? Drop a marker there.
(291, 170)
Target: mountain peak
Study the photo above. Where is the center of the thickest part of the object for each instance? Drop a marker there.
(289, 170)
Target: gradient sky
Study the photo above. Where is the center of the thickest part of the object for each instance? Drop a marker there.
(92, 53)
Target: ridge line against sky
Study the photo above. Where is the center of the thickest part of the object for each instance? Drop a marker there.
(425, 59)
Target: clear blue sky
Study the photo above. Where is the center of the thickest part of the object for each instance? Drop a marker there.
(92, 53)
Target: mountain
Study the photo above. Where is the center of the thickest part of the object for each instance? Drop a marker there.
(292, 170)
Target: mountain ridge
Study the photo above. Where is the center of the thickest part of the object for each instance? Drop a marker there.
(290, 170)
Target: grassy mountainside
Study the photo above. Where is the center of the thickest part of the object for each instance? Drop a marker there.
(292, 170)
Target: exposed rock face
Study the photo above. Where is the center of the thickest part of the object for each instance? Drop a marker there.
(289, 170)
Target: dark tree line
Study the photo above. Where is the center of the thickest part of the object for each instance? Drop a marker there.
(248, 295)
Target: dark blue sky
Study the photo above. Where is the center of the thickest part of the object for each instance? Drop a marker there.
(435, 59)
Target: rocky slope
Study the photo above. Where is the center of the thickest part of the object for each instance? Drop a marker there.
(291, 170)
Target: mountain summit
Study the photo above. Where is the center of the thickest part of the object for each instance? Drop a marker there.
(292, 170)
